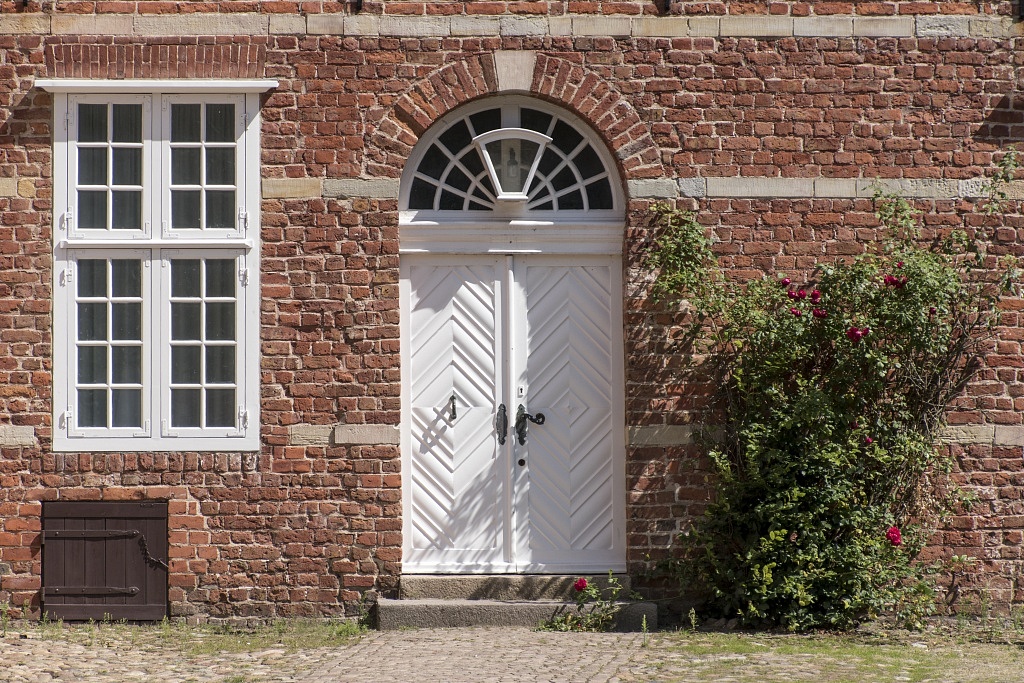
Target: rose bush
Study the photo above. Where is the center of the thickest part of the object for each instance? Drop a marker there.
(824, 437)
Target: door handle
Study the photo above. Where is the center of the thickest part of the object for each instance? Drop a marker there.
(451, 404)
(501, 424)
(523, 419)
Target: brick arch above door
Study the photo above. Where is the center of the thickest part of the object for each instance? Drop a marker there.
(556, 79)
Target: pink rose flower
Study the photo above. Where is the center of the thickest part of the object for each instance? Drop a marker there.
(868, 440)
(580, 585)
(894, 535)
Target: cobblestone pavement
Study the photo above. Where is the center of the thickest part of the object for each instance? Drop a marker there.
(472, 655)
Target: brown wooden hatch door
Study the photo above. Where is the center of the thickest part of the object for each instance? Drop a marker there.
(105, 560)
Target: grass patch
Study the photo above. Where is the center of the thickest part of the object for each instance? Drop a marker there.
(835, 658)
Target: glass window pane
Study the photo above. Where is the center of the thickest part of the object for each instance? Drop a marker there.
(92, 277)
(128, 166)
(127, 321)
(127, 123)
(185, 407)
(588, 163)
(220, 209)
(127, 364)
(92, 364)
(127, 210)
(185, 209)
(220, 364)
(565, 137)
(220, 123)
(573, 200)
(220, 321)
(421, 196)
(92, 407)
(185, 321)
(185, 364)
(599, 194)
(456, 138)
(127, 407)
(127, 277)
(92, 322)
(92, 210)
(220, 277)
(534, 120)
(92, 166)
(185, 123)
(220, 407)
(185, 277)
(434, 162)
(486, 120)
(185, 165)
(92, 123)
(220, 166)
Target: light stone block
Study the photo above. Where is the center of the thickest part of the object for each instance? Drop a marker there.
(11, 24)
(202, 25)
(474, 26)
(968, 434)
(705, 27)
(755, 26)
(993, 27)
(663, 188)
(760, 187)
(514, 69)
(826, 27)
(324, 24)
(932, 188)
(692, 187)
(366, 435)
(8, 187)
(288, 24)
(616, 27)
(310, 435)
(373, 188)
(13, 436)
(669, 27)
(27, 188)
(972, 187)
(936, 26)
(1008, 435)
(362, 25)
(879, 27)
(560, 26)
(523, 26)
(415, 27)
(291, 188)
(662, 435)
(92, 24)
(835, 187)
(1014, 189)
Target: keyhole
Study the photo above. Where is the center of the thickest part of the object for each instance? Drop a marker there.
(522, 462)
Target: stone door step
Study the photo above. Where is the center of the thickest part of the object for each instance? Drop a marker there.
(498, 586)
(454, 613)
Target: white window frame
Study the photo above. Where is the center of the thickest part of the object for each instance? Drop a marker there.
(157, 244)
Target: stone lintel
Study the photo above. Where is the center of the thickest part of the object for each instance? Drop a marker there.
(372, 188)
(291, 188)
(366, 435)
(514, 69)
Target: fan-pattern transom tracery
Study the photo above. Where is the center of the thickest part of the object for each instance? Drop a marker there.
(451, 175)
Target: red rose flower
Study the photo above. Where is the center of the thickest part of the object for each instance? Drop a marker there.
(785, 281)
(819, 313)
(580, 585)
(815, 296)
(900, 264)
(795, 311)
(791, 294)
(894, 535)
(868, 440)
(802, 294)
(854, 334)
(932, 310)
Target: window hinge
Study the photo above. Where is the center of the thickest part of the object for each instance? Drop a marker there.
(65, 419)
(243, 219)
(145, 429)
(67, 221)
(243, 276)
(164, 430)
(67, 275)
(243, 418)
(67, 119)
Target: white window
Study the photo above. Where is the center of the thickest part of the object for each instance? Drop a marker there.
(156, 247)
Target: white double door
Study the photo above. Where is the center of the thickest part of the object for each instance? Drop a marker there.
(485, 338)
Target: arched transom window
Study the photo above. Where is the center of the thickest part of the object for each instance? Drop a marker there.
(448, 174)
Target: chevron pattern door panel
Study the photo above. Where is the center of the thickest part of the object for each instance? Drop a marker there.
(457, 515)
(569, 359)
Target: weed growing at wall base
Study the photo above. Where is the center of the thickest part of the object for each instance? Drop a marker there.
(833, 392)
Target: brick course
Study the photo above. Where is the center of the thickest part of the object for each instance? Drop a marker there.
(760, 134)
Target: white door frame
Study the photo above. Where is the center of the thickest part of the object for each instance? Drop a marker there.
(510, 229)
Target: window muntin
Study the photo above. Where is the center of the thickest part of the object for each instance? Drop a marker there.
(451, 176)
(162, 343)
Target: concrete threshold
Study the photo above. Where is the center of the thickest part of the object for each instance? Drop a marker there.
(446, 613)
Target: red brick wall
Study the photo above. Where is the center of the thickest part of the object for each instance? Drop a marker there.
(307, 529)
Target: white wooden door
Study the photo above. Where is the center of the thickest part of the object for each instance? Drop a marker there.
(534, 331)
